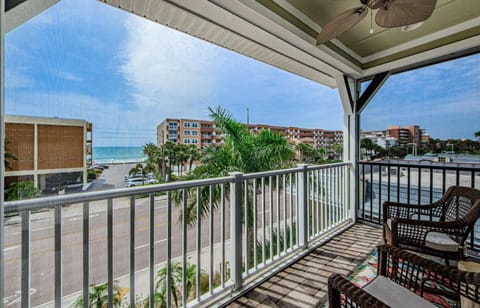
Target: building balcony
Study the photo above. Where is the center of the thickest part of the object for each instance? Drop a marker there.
(300, 223)
(207, 129)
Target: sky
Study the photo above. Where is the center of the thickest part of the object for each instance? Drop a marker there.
(125, 74)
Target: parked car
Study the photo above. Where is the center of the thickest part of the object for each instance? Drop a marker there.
(140, 181)
(151, 181)
(135, 182)
(138, 175)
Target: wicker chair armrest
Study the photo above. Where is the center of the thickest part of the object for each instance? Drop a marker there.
(415, 231)
(403, 210)
(338, 285)
(461, 282)
(455, 224)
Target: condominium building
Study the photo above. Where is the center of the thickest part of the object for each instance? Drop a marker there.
(407, 135)
(380, 137)
(396, 135)
(203, 133)
(51, 152)
(187, 131)
(401, 134)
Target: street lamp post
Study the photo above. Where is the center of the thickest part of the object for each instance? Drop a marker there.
(451, 144)
(414, 148)
(163, 157)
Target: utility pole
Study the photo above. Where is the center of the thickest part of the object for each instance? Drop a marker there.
(163, 156)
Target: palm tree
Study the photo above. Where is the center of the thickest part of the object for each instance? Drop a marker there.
(155, 159)
(307, 152)
(170, 151)
(183, 156)
(98, 296)
(337, 148)
(22, 190)
(141, 168)
(175, 283)
(193, 155)
(151, 151)
(367, 144)
(8, 156)
(242, 151)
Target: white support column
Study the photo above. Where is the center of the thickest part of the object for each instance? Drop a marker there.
(35, 155)
(2, 146)
(236, 230)
(302, 206)
(351, 131)
(84, 154)
(348, 92)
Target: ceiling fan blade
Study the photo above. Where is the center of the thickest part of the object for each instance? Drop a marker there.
(373, 4)
(341, 24)
(398, 13)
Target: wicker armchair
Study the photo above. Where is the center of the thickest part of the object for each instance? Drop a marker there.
(439, 229)
(401, 282)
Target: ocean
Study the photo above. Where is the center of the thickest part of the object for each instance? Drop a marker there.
(110, 155)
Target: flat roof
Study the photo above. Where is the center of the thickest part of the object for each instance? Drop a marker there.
(44, 120)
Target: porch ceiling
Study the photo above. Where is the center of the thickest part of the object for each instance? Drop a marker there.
(282, 33)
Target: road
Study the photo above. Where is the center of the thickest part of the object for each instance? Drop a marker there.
(42, 246)
(42, 243)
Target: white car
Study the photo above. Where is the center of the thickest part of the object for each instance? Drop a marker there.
(140, 181)
(151, 181)
(135, 182)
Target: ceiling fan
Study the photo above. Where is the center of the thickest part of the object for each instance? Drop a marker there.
(390, 14)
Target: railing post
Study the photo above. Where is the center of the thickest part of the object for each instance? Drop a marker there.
(236, 230)
(302, 205)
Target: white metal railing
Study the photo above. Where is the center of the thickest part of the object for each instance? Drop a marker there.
(130, 238)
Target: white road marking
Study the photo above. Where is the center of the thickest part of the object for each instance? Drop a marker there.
(11, 248)
(80, 217)
(146, 245)
(16, 298)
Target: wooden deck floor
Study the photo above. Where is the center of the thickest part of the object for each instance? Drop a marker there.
(304, 283)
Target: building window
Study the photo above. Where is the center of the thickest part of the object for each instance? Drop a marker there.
(194, 124)
(173, 124)
(195, 132)
(186, 140)
(186, 124)
(186, 133)
(172, 132)
(194, 140)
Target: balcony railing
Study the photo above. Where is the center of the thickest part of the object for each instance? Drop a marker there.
(412, 183)
(231, 229)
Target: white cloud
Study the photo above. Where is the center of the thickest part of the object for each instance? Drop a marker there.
(17, 80)
(170, 73)
(62, 74)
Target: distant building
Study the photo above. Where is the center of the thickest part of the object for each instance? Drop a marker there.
(407, 135)
(401, 134)
(187, 131)
(203, 133)
(380, 137)
(425, 138)
(51, 152)
(395, 135)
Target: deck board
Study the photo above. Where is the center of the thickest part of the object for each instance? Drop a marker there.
(304, 283)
